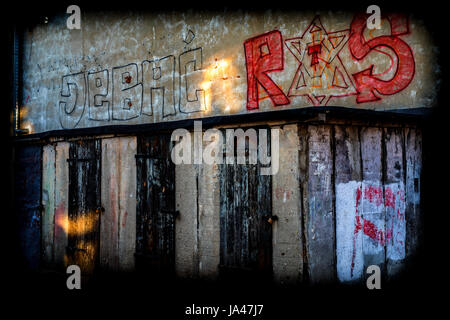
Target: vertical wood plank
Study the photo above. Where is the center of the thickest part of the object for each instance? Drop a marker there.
(413, 150)
(320, 221)
(61, 203)
(245, 206)
(27, 191)
(348, 186)
(372, 200)
(155, 234)
(84, 201)
(48, 202)
(395, 200)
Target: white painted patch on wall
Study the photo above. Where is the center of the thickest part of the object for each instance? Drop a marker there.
(349, 251)
(361, 211)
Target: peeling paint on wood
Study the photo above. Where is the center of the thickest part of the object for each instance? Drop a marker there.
(414, 230)
(318, 204)
(245, 208)
(27, 190)
(48, 202)
(61, 203)
(118, 222)
(395, 200)
(84, 204)
(155, 221)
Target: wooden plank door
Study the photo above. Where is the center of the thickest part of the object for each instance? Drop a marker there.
(28, 203)
(155, 196)
(245, 213)
(84, 205)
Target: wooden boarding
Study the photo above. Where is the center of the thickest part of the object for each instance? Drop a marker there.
(156, 214)
(319, 217)
(348, 186)
(118, 222)
(84, 204)
(395, 200)
(245, 208)
(413, 155)
(48, 202)
(61, 203)
(27, 190)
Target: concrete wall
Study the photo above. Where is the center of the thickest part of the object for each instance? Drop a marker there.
(133, 67)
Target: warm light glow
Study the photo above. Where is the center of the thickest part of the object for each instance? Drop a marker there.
(217, 85)
(29, 126)
(80, 225)
(62, 222)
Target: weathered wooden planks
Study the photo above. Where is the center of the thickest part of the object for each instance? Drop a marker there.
(372, 200)
(245, 207)
(61, 203)
(118, 222)
(155, 221)
(348, 186)
(369, 176)
(27, 191)
(395, 200)
(389, 198)
(84, 204)
(48, 202)
(318, 202)
(413, 155)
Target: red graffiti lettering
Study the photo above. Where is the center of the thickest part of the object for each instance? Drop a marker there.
(391, 234)
(264, 54)
(314, 52)
(374, 194)
(368, 85)
(389, 198)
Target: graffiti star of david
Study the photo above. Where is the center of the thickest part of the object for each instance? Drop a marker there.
(320, 75)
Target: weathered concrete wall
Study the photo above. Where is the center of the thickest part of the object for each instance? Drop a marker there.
(209, 220)
(286, 203)
(186, 239)
(132, 68)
